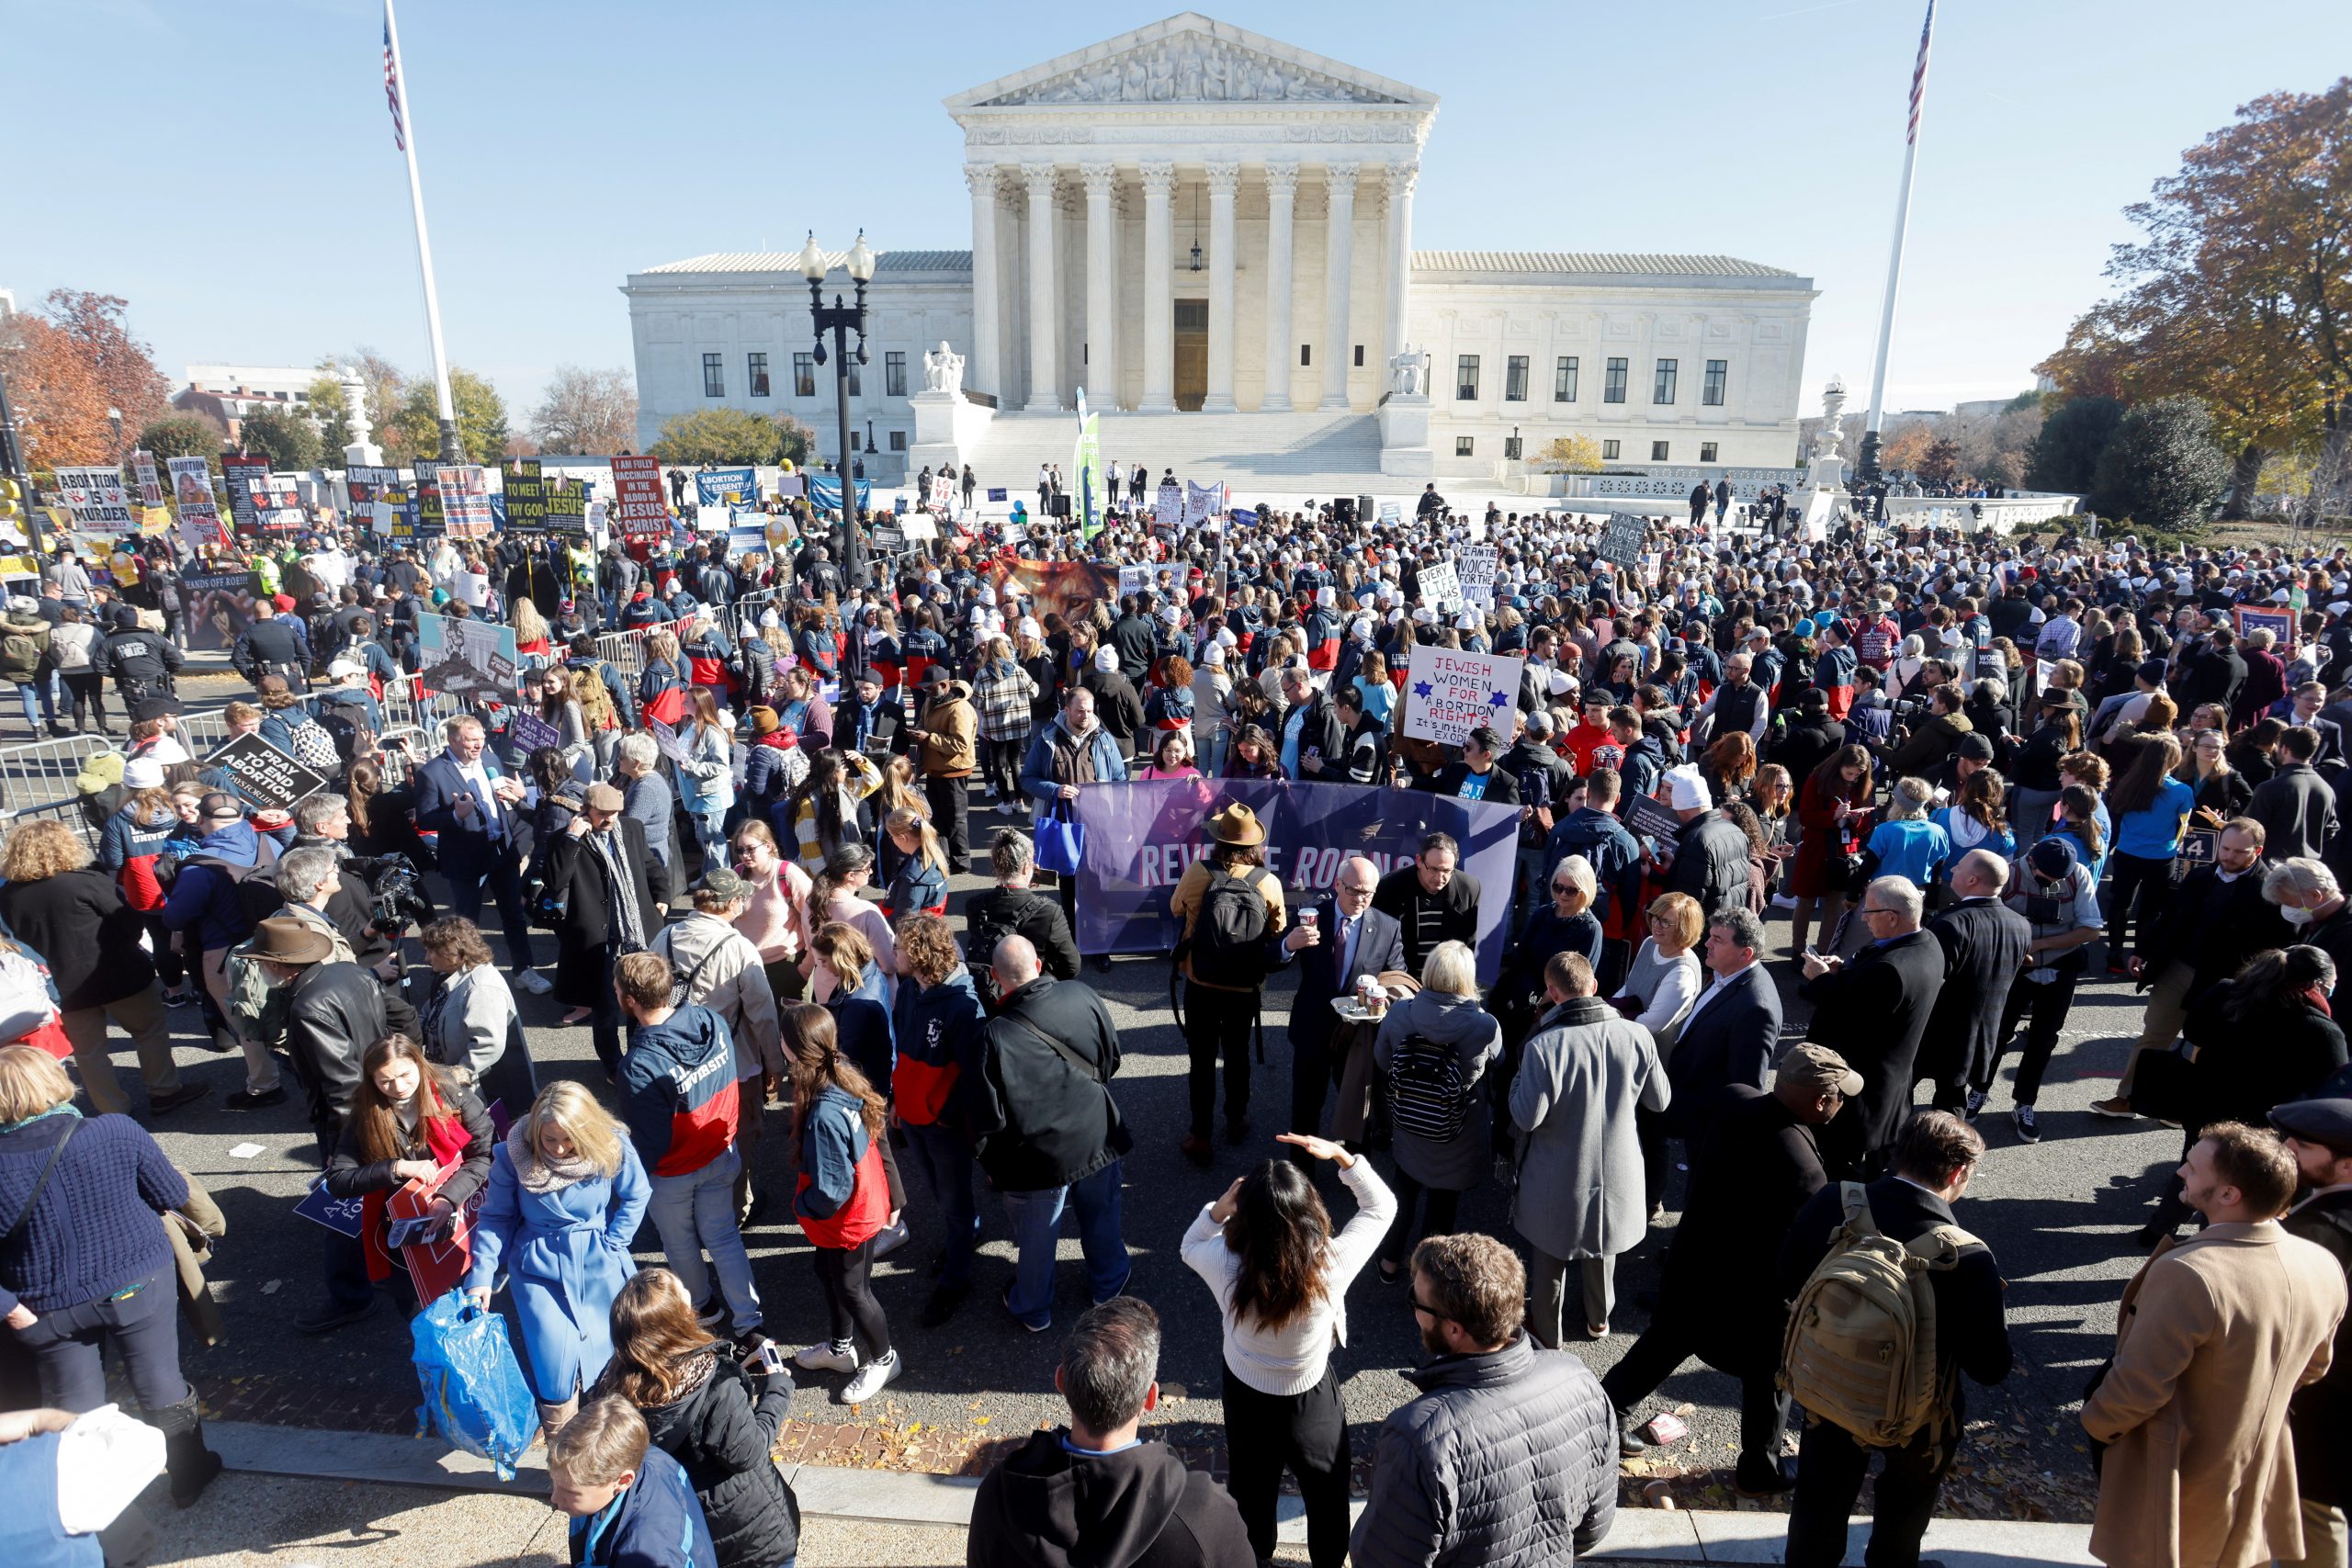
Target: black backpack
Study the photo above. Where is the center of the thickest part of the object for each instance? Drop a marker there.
(346, 724)
(1425, 1093)
(1227, 946)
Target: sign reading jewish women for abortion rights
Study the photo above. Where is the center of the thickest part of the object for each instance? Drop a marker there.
(1448, 693)
(1139, 838)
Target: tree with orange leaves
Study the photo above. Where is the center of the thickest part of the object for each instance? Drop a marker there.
(66, 365)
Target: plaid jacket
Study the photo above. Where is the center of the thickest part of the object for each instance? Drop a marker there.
(1002, 694)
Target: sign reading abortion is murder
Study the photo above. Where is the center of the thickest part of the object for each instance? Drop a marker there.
(1448, 693)
(1140, 837)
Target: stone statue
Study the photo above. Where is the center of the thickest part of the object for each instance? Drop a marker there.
(1827, 441)
(943, 370)
(1408, 371)
(1190, 68)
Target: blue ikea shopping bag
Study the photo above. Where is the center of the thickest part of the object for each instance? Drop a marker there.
(474, 1394)
(1061, 843)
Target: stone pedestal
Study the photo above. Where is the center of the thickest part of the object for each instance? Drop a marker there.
(1405, 450)
(948, 428)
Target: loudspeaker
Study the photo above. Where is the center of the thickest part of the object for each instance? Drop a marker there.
(1363, 506)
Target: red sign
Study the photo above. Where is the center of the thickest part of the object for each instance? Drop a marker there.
(637, 506)
(435, 1265)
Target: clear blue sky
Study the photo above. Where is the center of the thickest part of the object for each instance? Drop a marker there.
(229, 168)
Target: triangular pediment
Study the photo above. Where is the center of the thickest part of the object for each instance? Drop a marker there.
(1189, 59)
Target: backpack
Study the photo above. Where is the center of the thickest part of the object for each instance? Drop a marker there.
(19, 653)
(1228, 945)
(315, 748)
(347, 728)
(1425, 1093)
(258, 1009)
(1861, 1346)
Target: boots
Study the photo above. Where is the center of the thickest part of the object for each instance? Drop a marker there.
(552, 1417)
(186, 1460)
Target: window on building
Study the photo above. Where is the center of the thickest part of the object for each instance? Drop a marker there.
(1463, 445)
(804, 375)
(714, 376)
(898, 441)
(1512, 449)
(893, 374)
(1706, 451)
(1466, 378)
(1515, 379)
(1662, 386)
(1306, 353)
(1359, 356)
(1563, 380)
(1657, 451)
(853, 442)
(1609, 451)
(1717, 373)
(758, 369)
(855, 391)
(1614, 390)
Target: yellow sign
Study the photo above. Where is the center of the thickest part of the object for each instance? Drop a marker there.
(155, 519)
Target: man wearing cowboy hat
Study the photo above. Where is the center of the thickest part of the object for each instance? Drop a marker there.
(1224, 967)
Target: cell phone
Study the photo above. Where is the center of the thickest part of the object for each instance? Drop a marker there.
(768, 1360)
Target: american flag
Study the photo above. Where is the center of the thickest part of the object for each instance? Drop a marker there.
(400, 132)
(1918, 76)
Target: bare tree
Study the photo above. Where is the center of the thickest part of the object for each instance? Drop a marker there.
(586, 413)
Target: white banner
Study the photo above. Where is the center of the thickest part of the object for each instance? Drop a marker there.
(1475, 565)
(1134, 580)
(96, 499)
(1167, 506)
(1448, 694)
(1202, 502)
(1441, 586)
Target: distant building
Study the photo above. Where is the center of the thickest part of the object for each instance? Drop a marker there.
(1987, 407)
(228, 392)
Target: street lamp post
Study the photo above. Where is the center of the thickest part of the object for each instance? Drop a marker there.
(841, 320)
(12, 467)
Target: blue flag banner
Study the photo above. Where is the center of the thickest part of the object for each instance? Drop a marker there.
(825, 491)
(715, 487)
(1139, 838)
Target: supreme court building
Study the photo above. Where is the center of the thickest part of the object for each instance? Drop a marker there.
(1195, 221)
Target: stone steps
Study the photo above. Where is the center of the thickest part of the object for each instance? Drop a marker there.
(1309, 454)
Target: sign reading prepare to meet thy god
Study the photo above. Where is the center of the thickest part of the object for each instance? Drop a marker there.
(1448, 693)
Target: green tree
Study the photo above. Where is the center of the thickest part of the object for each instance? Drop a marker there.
(719, 435)
(2065, 456)
(182, 436)
(415, 430)
(284, 435)
(332, 411)
(2163, 468)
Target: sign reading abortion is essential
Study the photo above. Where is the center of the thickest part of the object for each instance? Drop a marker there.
(1139, 838)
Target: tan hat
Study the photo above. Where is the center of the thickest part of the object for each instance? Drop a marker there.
(282, 939)
(1237, 824)
(603, 798)
(1817, 1067)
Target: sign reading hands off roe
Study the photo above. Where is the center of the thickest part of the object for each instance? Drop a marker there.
(1448, 693)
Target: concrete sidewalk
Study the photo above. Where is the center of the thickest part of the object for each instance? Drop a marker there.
(491, 1520)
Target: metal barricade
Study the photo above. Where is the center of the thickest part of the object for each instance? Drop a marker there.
(68, 811)
(623, 651)
(43, 770)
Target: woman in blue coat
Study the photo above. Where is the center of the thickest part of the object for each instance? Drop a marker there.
(567, 1192)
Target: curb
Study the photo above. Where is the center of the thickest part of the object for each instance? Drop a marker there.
(889, 1498)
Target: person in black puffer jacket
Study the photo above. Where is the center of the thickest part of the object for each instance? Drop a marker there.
(717, 1417)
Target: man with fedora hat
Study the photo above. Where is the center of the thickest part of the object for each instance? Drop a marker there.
(612, 888)
(1232, 909)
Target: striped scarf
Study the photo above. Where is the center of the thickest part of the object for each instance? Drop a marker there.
(628, 917)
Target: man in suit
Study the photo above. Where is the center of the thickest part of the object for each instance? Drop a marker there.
(1932, 1162)
(2295, 805)
(1984, 943)
(1874, 1009)
(478, 808)
(1361, 940)
(613, 888)
(2319, 1135)
(1718, 1296)
(1731, 1033)
(2304, 712)
(2209, 673)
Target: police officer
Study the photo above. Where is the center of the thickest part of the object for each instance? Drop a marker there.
(274, 645)
(142, 662)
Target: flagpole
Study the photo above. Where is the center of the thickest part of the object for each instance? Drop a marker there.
(1867, 463)
(451, 451)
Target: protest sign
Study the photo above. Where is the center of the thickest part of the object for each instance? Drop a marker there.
(527, 495)
(323, 1207)
(265, 775)
(1448, 693)
(567, 507)
(1620, 541)
(465, 500)
(239, 474)
(1053, 588)
(888, 538)
(1648, 817)
(528, 732)
(715, 487)
(638, 508)
(790, 485)
(666, 740)
(151, 484)
(1440, 584)
(747, 538)
(1168, 505)
(432, 517)
(95, 498)
(943, 492)
(1134, 579)
(825, 491)
(918, 526)
(1202, 502)
(200, 510)
(1475, 566)
(437, 1252)
(220, 607)
(466, 658)
(1392, 512)
(276, 502)
(2278, 621)
(1139, 838)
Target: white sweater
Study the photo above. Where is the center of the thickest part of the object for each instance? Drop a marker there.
(1291, 1359)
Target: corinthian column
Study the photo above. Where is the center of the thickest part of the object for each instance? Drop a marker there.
(1044, 304)
(1102, 373)
(1400, 260)
(1224, 179)
(1159, 293)
(986, 375)
(1339, 256)
(1282, 194)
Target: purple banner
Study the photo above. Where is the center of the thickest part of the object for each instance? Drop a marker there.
(1139, 838)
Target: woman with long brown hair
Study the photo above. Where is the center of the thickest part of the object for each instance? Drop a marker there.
(1826, 804)
(408, 1120)
(842, 1201)
(1728, 765)
(717, 1417)
(1279, 1276)
(706, 772)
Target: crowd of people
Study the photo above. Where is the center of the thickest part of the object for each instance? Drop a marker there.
(1968, 769)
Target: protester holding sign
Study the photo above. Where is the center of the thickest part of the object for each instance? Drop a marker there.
(409, 1120)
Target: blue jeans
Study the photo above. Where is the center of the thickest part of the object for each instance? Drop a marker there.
(1036, 1219)
(48, 704)
(697, 1212)
(945, 1161)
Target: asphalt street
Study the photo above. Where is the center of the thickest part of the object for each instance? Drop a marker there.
(2057, 1214)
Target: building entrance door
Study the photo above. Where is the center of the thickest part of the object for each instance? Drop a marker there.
(1191, 354)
